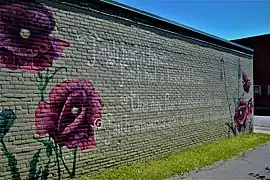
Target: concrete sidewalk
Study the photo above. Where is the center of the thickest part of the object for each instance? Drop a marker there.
(251, 165)
(262, 124)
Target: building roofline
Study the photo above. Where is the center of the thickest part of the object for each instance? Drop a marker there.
(140, 16)
(252, 37)
(191, 31)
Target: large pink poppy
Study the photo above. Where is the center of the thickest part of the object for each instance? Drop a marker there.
(242, 112)
(246, 82)
(25, 43)
(69, 117)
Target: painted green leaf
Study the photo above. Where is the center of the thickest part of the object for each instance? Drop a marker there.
(33, 166)
(39, 77)
(47, 143)
(38, 174)
(7, 118)
(12, 163)
(45, 172)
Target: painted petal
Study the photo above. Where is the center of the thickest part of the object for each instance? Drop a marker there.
(45, 119)
(60, 92)
(95, 102)
(32, 16)
(245, 76)
(10, 61)
(42, 8)
(83, 138)
(88, 87)
(17, 50)
(3, 2)
(28, 49)
(76, 123)
(97, 106)
(58, 46)
(247, 85)
(38, 63)
(36, 21)
(88, 144)
(3, 33)
(64, 123)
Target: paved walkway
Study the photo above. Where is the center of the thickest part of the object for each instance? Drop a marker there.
(252, 165)
(262, 124)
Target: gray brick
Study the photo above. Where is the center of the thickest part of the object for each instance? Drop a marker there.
(162, 93)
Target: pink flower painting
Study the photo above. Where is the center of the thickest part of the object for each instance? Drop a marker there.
(25, 43)
(69, 117)
(242, 112)
(246, 82)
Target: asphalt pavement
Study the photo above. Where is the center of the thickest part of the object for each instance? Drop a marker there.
(252, 165)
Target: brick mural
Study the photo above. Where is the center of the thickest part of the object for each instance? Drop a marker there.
(82, 90)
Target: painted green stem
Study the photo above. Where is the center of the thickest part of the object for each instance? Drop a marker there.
(58, 163)
(226, 92)
(49, 149)
(230, 125)
(239, 78)
(63, 161)
(74, 162)
(43, 82)
(4, 146)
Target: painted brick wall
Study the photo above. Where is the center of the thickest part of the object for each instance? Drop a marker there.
(118, 91)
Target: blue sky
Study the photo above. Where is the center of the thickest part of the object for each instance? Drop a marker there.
(228, 19)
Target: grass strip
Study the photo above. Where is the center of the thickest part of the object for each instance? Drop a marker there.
(183, 162)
